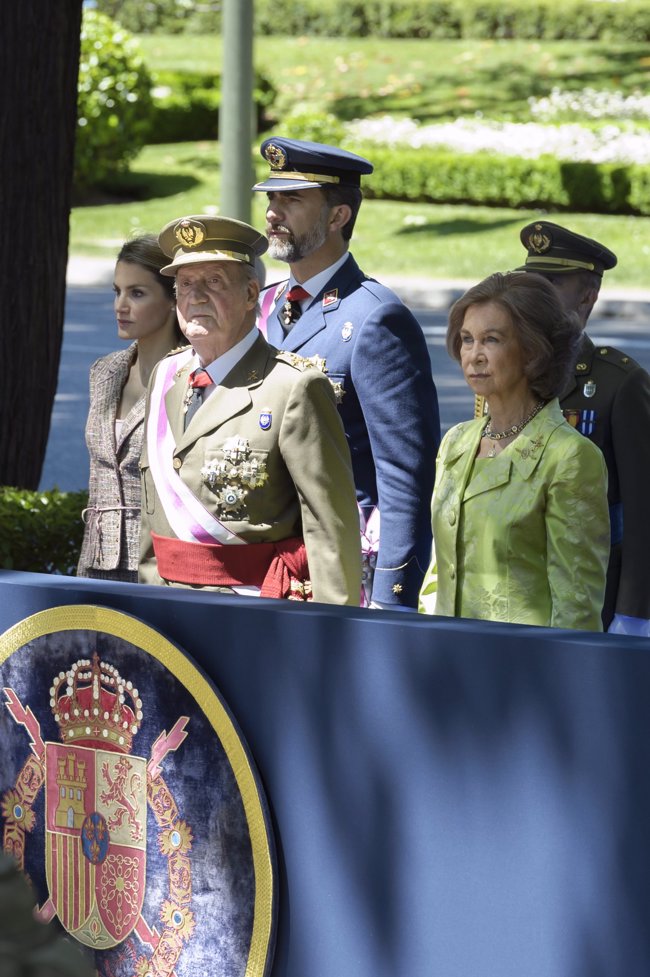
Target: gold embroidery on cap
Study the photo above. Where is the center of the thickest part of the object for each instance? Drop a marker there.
(276, 157)
(538, 241)
(190, 233)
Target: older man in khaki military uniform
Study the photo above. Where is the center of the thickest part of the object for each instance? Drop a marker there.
(246, 475)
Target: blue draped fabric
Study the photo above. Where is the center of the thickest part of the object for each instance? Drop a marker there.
(447, 797)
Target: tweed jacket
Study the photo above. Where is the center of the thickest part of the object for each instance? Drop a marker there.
(376, 355)
(522, 537)
(608, 400)
(111, 540)
(283, 413)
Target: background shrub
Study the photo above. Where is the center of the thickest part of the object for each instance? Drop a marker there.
(114, 101)
(41, 531)
(438, 175)
(185, 105)
(164, 16)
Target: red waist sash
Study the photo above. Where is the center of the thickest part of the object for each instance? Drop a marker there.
(279, 569)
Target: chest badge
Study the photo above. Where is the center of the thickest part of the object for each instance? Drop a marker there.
(589, 388)
(346, 332)
(266, 419)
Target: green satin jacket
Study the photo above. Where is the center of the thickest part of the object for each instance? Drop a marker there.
(522, 537)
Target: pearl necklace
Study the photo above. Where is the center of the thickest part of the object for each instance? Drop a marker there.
(511, 432)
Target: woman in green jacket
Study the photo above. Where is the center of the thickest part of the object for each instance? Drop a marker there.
(519, 510)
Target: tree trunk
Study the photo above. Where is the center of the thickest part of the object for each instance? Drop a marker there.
(39, 65)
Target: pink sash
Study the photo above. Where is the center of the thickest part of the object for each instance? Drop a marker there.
(187, 516)
(268, 300)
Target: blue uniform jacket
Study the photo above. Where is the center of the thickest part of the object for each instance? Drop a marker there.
(375, 349)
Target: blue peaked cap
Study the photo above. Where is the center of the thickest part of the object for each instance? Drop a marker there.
(297, 165)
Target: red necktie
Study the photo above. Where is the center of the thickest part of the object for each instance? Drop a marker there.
(198, 380)
(291, 310)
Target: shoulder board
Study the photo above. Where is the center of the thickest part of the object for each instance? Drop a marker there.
(301, 362)
(177, 349)
(608, 354)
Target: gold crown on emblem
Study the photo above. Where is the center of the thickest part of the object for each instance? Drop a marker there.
(190, 233)
(276, 157)
(89, 703)
(538, 241)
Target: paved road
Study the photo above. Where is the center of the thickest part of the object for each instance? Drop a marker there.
(90, 332)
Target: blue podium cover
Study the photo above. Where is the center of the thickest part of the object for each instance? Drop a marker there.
(446, 797)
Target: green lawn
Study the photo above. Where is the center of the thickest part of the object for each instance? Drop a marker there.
(391, 238)
(425, 79)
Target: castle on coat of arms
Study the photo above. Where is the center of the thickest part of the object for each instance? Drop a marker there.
(72, 784)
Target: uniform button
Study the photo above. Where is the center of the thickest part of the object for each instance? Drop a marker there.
(452, 571)
(452, 517)
(581, 366)
(604, 351)
(177, 463)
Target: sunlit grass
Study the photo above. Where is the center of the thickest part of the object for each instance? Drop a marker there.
(391, 238)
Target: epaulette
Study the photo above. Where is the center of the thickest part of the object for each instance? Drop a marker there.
(301, 362)
(616, 357)
(177, 349)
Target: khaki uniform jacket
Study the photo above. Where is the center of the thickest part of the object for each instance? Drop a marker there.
(308, 490)
(617, 389)
(111, 542)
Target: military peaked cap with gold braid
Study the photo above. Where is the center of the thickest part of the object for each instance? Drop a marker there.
(554, 250)
(298, 165)
(201, 238)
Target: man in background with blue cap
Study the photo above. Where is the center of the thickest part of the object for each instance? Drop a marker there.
(371, 348)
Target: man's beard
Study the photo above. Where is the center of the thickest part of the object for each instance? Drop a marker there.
(292, 249)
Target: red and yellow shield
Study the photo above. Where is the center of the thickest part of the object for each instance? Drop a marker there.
(95, 834)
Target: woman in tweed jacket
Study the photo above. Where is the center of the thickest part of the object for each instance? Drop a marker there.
(145, 309)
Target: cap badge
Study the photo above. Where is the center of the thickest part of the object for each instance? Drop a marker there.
(589, 388)
(266, 419)
(538, 241)
(190, 233)
(346, 331)
(276, 157)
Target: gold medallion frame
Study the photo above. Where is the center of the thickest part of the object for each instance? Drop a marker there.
(83, 617)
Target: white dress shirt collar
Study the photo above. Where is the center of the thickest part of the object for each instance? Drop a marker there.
(221, 367)
(317, 283)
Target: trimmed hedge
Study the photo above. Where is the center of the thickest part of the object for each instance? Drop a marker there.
(41, 531)
(524, 19)
(186, 105)
(430, 175)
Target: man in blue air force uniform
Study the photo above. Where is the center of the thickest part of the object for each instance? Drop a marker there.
(372, 349)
